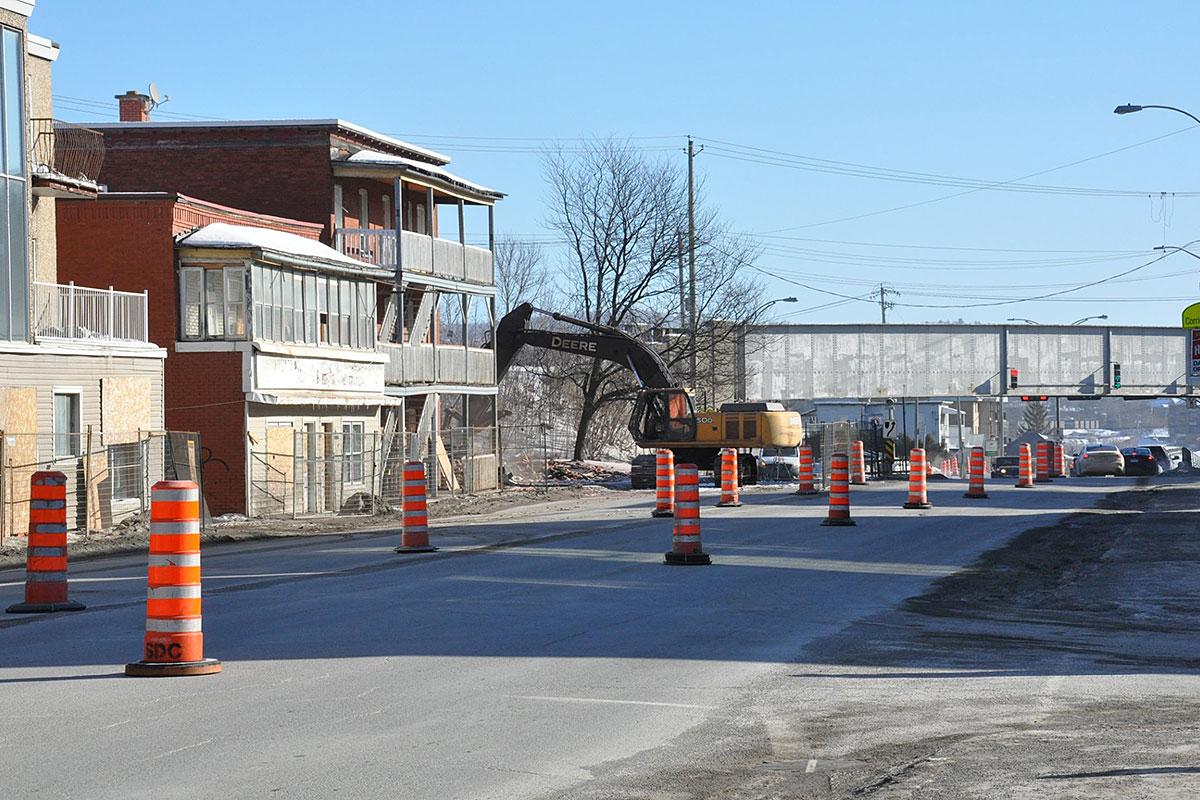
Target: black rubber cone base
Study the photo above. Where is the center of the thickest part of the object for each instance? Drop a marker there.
(428, 548)
(1043, 480)
(738, 504)
(657, 513)
(44, 608)
(169, 669)
(812, 493)
(1023, 485)
(918, 505)
(845, 522)
(686, 559)
(970, 496)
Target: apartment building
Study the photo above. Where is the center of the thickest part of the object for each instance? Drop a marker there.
(79, 378)
(390, 206)
(272, 338)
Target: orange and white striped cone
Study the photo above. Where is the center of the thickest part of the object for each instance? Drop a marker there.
(46, 551)
(918, 492)
(174, 642)
(1059, 462)
(730, 496)
(807, 485)
(664, 484)
(975, 490)
(1024, 467)
(414, 522)
(685, 539)
(1044, 449)
(839, 492)
(858, 464)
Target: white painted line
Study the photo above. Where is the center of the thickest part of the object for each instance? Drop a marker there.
(811, 767)
(605, 700)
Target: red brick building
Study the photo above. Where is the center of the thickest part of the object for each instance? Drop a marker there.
(228, 375)
(387, 204)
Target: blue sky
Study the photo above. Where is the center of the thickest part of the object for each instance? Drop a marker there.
(990, 91)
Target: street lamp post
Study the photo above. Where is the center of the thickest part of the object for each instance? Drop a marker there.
(1130, 108)
(1085, 319)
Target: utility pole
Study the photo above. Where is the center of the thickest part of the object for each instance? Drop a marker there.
(684, 314)
(691, 157)
(884, 305)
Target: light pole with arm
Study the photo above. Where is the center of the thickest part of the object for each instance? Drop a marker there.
(1130, 108)
(1085, 319)
(1022, 319)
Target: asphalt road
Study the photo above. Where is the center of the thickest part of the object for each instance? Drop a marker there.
(573, 666)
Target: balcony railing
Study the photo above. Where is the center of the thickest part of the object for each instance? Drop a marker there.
(426, 255)
(449, 364)
(76, 312)
(60, 148)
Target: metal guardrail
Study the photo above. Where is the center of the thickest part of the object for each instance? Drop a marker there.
(77, 312)
(62, 148)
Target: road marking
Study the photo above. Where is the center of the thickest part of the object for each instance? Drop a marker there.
(606, 700)
(181, 749)
(811, 767)
(545, 582)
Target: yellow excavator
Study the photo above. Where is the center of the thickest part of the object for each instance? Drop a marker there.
(663, 415)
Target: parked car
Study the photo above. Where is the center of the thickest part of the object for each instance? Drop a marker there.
(1100, 459)
(779, 464)
(1005, 466)
(1142, 461)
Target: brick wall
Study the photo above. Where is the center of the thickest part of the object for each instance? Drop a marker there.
(280, 171)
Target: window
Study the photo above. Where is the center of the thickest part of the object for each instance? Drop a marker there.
(479, 321)
(213, 303)
(66, 425)
(364, 209)
(14, 244)
(352, 452)
(125, 471)
(450, 318)
(305, 308)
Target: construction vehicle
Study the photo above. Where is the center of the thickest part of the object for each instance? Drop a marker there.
(663, 415)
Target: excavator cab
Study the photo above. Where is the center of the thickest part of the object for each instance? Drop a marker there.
(663, 415)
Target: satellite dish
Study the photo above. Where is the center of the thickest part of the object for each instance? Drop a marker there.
(157, 98)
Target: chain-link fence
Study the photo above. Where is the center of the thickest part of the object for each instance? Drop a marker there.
(311, 472)
(527, 450)
(109, 474)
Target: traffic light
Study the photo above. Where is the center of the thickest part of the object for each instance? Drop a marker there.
(1012, 378)
(1041, 398)
(1116, 376)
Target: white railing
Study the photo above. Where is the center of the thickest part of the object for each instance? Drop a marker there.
(423, 254)
(454, 364)
(77, 312)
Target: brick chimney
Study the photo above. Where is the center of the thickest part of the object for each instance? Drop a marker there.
(135, 106)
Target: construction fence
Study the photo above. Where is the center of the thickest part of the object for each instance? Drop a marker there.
(306, 473)
(109, 474)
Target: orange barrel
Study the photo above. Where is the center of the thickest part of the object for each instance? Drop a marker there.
(174, 643)
(414, 524)
(1059, 462)
(46, 553)
(918, 492)
(1044, 449)
(730, 497)
(858, 463)
(685, 541)
(664, 484)
(806, 472)
(839, 491)
(1025, 467)
(975, 490)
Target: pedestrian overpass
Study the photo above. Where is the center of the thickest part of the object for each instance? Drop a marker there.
(958, 360)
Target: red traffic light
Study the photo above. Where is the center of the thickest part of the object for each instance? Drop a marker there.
(1041, 398)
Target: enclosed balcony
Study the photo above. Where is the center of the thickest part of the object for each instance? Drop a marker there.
(422, 254)
(64, 159)
(78, 313)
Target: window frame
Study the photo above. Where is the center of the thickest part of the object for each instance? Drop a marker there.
(74, 438)
(354, 451)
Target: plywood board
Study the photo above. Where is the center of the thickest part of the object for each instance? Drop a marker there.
(18, 421)
(126, 406)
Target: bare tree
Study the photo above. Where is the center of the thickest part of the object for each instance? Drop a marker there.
(520, 274)
(621, 215)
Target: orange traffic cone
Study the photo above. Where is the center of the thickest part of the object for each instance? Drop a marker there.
(918, 493)
(1043, 463)
(839, 492)
(174, 642)
(807, 485)
(46, 551)
(730, 497)
(685, 539)
(858, 464)
(664, 484)
(414, 525)
(975, 490)
(1024, 467)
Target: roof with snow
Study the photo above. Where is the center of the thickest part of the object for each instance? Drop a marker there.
(289, 246)
(368, 157)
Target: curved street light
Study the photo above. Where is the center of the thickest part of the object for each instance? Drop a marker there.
(1022, 319)
(1130, 108)
(1085, 319)
(770, 303)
